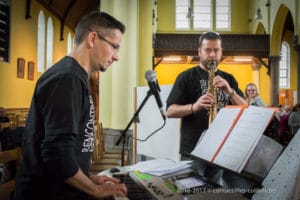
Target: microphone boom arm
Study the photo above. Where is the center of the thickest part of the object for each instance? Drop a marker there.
(123, 133)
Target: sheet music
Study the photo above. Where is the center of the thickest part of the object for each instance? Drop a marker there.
(244, 137)
(232, 148)
(161, 166)
(214, 136)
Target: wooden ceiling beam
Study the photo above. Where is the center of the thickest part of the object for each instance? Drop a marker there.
(63, 20)
(233, 45)
(67, 11)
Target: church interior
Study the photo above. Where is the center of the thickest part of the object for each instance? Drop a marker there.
(260, 46)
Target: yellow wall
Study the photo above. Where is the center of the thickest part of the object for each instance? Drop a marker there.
(264, 85)
(167, 73)
(239, 16)
(17, 92)
(242, 73)
(144, 39)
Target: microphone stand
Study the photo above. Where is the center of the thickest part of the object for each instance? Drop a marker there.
(123, 137)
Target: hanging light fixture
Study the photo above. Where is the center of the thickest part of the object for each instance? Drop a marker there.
(190, 14)
(258, 14)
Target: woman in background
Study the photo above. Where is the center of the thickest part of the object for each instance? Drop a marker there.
(284, 133)
(294, 119)
(252, 96)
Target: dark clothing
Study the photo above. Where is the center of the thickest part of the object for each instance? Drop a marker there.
(284, 129)
(4, 119)
(188, 87)
(283, 124)
(58, 137)
(11, 137)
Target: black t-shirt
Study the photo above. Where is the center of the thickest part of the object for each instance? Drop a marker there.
(188, 87)
(58, 138)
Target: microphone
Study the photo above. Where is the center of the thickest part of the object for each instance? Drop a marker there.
(150, 75)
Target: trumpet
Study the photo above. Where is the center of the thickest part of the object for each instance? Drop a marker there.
(211, 66)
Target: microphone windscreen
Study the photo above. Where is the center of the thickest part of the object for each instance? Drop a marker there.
(150, 75)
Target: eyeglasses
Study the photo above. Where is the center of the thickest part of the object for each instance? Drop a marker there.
(251, 90)
(114, 46)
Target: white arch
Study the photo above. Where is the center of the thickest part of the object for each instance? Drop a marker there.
(49, 57)
(70, 43)
(41, 42)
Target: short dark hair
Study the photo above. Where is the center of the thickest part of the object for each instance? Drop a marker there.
(94, 20)
(209, 36)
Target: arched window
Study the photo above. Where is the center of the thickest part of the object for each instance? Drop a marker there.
(284, 66)
(41, 42)
(49, 58)
(70, 43)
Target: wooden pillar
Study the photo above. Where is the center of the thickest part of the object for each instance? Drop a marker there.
(94, 87)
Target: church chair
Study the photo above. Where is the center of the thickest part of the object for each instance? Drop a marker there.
(7, 187)
(102, 158)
